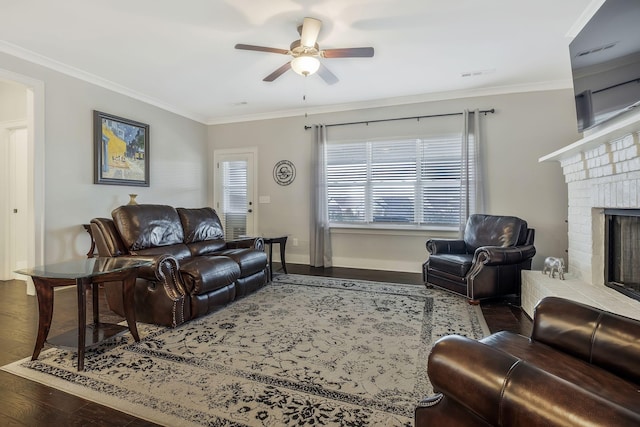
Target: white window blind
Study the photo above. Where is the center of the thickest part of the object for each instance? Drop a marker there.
(405, 182)
(234, 198)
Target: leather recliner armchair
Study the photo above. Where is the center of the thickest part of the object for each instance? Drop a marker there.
(486, 262)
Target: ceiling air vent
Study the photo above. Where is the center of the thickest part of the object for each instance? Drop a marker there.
(597, 49)
(477, 73)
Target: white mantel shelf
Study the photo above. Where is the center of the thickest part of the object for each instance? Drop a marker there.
(619, 129)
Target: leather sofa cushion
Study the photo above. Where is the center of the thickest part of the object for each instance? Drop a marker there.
(578, 372)
(250, 260)
(148, 226)
(492, 230)
(208, 273)
(204, 303)
(455, 264)
(207, 247)
(179, 251)
(200, 224)
(247, 285)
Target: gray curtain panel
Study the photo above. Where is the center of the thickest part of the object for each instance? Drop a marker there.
(320, 239)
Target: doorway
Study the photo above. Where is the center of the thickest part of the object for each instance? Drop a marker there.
(16, 195)
(235, 191)
(32, 235)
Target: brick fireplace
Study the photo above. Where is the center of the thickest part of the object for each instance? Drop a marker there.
(602, 171)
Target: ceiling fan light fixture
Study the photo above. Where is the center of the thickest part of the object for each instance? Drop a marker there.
(305, 53)
(305, 65)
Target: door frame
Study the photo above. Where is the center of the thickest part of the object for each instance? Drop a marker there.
(7, 261)
(35, 168)
(246, 151)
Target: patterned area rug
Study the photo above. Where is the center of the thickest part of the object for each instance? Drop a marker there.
(303, 350)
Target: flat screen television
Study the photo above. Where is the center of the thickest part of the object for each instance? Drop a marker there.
(605, 63)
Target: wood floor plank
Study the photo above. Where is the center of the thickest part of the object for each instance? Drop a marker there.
(27, 403)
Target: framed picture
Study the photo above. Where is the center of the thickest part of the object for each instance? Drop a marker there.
(120, 151)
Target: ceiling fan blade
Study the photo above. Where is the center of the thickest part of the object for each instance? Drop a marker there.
(349, 52)
(277, 73)
(310, 31)
(327, 75)
(262, 49)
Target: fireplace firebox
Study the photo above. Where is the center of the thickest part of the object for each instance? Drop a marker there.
(622, 251)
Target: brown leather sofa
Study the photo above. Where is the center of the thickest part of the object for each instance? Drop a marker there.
(194, 271)
(581, 367)
(488, 260)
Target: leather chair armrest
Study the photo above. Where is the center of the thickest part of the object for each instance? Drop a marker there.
(446, 246)
(163, 269)
(165, 288)
(507, 391)
(250, 243)
(498, 255)
(107, 238)
(152, 271)
(590, 334)
(469, 372)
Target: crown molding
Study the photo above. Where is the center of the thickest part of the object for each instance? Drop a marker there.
(396, 101)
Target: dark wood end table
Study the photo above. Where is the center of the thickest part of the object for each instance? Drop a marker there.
(84, 273)
(282, 242)
(92, 249)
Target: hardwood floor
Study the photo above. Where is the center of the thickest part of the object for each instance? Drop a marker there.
(26, 403)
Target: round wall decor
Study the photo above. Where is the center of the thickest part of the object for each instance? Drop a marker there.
(284, 172)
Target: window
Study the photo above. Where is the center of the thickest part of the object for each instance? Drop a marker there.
(400, 182)
(234, 198)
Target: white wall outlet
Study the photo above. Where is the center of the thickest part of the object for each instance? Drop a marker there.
(295, 241)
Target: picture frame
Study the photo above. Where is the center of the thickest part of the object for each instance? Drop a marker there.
(121, 151)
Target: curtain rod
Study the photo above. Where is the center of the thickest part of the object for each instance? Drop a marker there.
(493, 110)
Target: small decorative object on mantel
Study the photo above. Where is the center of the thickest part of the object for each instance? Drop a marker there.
(284, 172)
(553, 265)
(132, 199)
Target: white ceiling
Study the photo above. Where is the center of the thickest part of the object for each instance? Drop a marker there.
(180, 55)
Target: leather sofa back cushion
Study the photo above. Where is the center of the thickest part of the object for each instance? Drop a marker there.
(148, 226)
(491, 230)
(601, 338)
(200, 224)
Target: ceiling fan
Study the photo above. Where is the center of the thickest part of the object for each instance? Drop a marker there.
(306, 53)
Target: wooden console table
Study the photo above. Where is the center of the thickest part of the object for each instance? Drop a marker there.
(84, 273)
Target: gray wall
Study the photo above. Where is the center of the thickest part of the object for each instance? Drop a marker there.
(525, 127)
(178, 153)
(13, 101)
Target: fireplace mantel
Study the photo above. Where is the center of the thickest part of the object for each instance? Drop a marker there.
(601, 170)
(616, 130)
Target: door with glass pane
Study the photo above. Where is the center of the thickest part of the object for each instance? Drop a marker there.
(234, 192)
